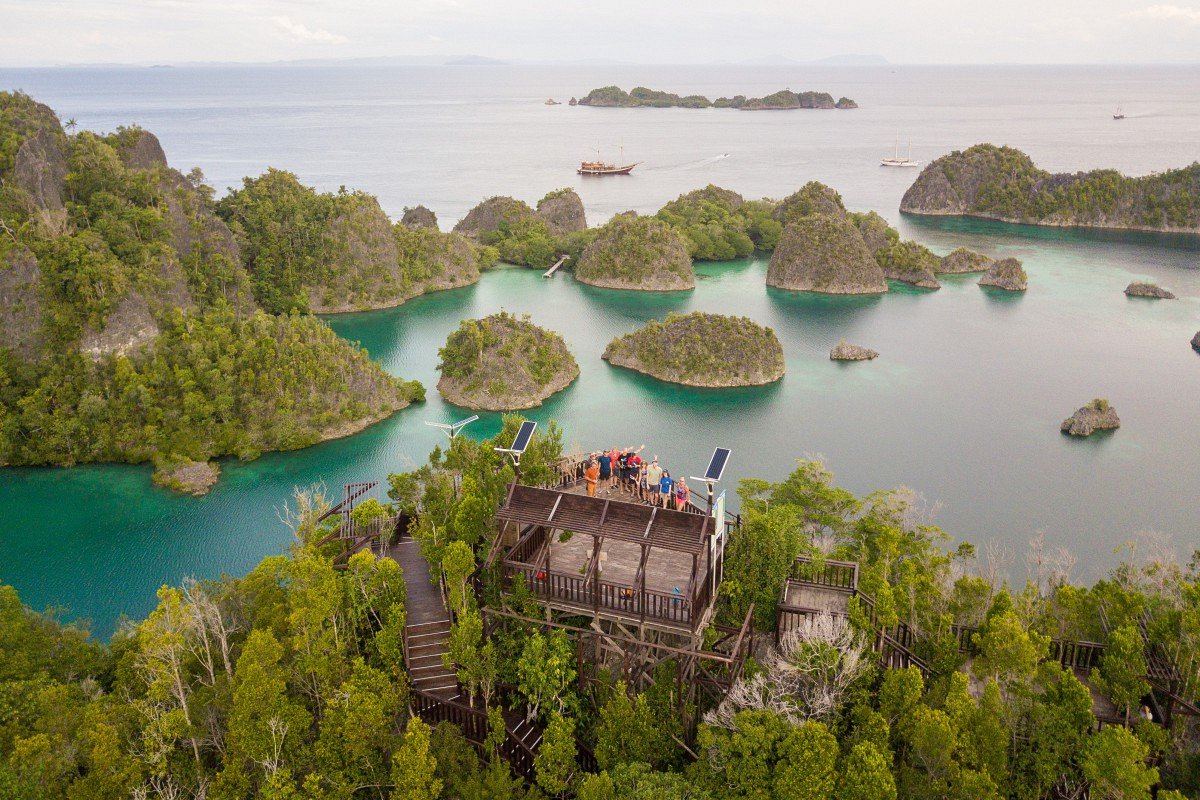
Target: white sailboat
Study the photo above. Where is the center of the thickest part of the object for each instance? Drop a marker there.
(897, 161)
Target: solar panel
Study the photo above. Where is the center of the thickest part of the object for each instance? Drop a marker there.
(523, 437)
(717, 465)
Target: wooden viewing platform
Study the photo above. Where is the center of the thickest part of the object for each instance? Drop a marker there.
(611, 558)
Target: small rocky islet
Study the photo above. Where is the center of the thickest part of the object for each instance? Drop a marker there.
(503, 363)
(1148, 290)
(1006, 274)
(703, 350)
(642, 97)
(632, 252)
(1097, 415)
(844, 351)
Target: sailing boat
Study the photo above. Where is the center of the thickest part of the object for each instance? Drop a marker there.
(897, 161)
(1119, 114)
(599, 167)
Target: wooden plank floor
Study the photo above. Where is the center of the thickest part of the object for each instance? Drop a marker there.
(665, 569)
(424, 601)
(802, 595)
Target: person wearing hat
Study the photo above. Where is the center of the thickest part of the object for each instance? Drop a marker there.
(653, 476)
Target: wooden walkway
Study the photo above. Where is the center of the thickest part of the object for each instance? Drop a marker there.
(427, 634)
(550, 272)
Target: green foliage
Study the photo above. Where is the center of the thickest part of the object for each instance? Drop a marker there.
(812, 198)
(1114, 763)
(865, 774)
(1121, 668)
(628, 732)
(414, 767)
(702, 349)
(637, 252)
(555, 760)
(711, 221)
(545, 673)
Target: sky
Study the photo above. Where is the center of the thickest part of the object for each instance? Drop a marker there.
(48, 32)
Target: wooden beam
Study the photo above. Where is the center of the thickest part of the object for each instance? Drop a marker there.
(554, 510)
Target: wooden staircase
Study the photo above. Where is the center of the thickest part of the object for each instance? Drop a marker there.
(428, 642)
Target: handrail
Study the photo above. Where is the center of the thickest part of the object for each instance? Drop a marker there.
(595, 594)
(827, 573)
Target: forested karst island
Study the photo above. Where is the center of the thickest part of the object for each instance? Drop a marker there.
(503, 363)
(1003, 183)
(632, 252)
(340, 670)
(641, 97)
(136, 326)
(698, 349)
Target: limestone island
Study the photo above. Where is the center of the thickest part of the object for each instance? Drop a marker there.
(821, 253)
(190, 341)
(845, 351)
(962, 261)
(526, 236)
(1097, 415)
(1196, 342)
(1006, 274)
(698, 349)
(641, 97)
(1004, 184)
(342, 253)
(503, 363)
(1148, 290)
(642, 253)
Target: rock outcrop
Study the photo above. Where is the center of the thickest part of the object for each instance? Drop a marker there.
(909, 262)
(1148, 290)
(1004, 184)
(419, 217)
(40, 168)
(187, 477)
(127, 328)
(876, 233)
(140, 149)
(1196, 342)
(1097, 415)
(562, 211)
(697, 349)
(20, 303)
(361, 261)
(962, 261)
(846, 102)
(825, 254)
(641, 97)
(844, 351)
(490, 214)
(503, 363)
(641, 253)
(1006, 274)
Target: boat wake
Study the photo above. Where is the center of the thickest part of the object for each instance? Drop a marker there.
(702, 162)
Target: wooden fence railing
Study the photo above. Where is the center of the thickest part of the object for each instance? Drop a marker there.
(589, 593)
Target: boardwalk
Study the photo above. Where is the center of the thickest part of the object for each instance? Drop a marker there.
(428, 630)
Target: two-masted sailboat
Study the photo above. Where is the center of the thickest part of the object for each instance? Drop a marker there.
(599, 167)
(896, 161)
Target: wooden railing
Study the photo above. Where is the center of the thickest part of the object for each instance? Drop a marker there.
(590, 593)
(827, 574)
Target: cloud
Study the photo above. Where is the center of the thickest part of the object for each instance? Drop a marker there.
(1169, 13)
(302, 34)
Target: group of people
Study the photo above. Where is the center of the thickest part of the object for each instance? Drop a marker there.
(625, 468)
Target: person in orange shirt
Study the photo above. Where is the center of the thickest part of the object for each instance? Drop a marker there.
(591, 475)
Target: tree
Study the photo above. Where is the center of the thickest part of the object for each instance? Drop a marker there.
(807, 764)
(1009, 653)
(865, 774)
(554, 763)
(546, 671)
(627, 732)
(1119, 674)
(900, 693)
(414, 767)
(1114, 763)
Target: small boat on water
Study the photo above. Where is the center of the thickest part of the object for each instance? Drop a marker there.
(604, 168)
(1119, 113)
(599, 167)
(896, 161)
(550, 101)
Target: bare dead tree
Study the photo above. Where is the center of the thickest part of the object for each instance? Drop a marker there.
(310, 503)
(806, 677)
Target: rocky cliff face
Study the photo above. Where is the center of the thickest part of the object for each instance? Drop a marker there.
(1097, 415)
(127, 328)
(20, 303)
(1148, 290)
(40, 169)
(1006, 274)
(637, 253)
(962, 261)
(1196, 342)
(363, 262)
(419, 217)
(825, 254)
(488, 216)
(562, 211)
(140, 149)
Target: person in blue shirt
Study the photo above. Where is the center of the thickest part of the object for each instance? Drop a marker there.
(605, 461)
(664, 487)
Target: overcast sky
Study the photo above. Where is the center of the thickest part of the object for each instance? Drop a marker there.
(38, 32)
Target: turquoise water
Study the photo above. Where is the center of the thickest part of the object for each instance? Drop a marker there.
(963, 406)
